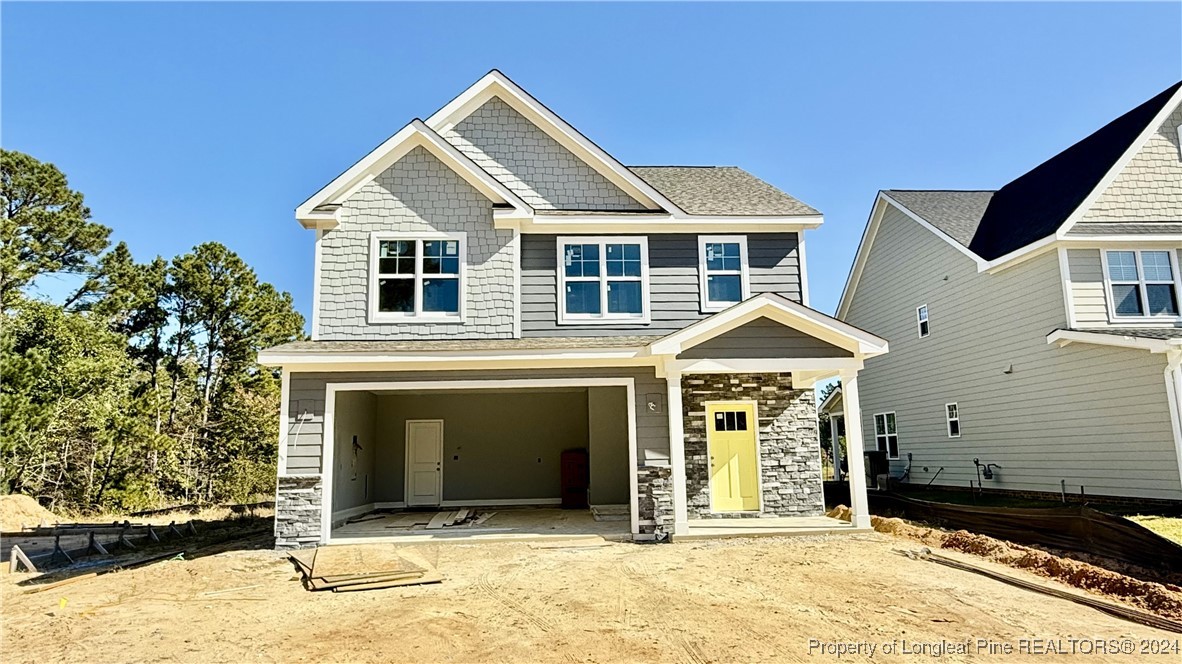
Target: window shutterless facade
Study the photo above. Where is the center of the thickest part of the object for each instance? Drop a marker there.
(416, 278)
(603, 280)
(921, 320)
(952, 414)
(722, 271)
(886, 434)
(1142, 283)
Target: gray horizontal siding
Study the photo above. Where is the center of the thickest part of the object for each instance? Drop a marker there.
(1087, 286)
(305, 424)
(762, 337)
(673, 282)
(1094, 416)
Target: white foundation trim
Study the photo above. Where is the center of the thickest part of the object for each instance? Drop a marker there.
(328, 442)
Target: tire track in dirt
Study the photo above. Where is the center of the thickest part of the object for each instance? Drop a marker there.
(639, 573)
(515, 606)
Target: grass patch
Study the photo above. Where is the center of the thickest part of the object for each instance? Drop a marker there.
(1169, 527)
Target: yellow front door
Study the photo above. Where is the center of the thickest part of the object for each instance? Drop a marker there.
(734, 456)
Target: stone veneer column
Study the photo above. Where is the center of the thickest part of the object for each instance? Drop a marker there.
(297, 511)
(654, 495)
(789, 443)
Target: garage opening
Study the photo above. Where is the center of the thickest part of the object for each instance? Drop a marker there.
(481, 463)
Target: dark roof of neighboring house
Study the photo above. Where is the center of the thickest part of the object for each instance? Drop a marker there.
(444, 345)
(720, 190)
(1034, 206)
(1139, 332)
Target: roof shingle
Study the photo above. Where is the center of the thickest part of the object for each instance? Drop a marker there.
(720, 190)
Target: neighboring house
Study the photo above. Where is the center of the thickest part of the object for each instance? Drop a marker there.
(492, 288)
(1035, 327)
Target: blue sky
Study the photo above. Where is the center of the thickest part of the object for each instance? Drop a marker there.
(184, 123)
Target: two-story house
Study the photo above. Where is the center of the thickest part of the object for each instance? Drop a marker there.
(1035, 330)
(493, 289)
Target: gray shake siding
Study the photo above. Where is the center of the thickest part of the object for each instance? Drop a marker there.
(531, 164)
(417, 194)
(1094, 416)
(673, 282)
(305, 425)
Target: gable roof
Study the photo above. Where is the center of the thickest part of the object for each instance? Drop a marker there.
(320, 210)
(496, 84)
(956, 213)
(781, 310)
(721, 190)
(1040, 203)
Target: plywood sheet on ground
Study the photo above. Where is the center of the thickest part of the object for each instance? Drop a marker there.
(360, 559)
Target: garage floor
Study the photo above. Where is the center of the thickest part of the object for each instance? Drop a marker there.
(504, 524)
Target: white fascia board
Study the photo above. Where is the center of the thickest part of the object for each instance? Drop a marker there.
(623, 225)
(267, 358)
(1166, 110)
(496, 84)
(1078, 241)
(812, 365)
(415, 134)
(1064, 337)
(782, 310)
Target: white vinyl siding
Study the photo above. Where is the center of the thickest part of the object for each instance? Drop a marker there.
(1093, 416)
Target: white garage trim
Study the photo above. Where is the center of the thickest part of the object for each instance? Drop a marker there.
(328, 442)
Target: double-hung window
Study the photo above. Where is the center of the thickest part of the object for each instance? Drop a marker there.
(952, 413)
(722, 271)
(886, 434)
(921, 321)
(603, 280)
(1142, 284)
(416, 279)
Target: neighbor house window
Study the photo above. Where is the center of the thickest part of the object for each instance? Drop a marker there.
(416, 278)
(602, 280)
(952, 412)
(921, 320)
(722, 271)
(886, 435)
(1142, 283)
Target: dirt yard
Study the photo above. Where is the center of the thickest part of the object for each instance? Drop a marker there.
(716, 601)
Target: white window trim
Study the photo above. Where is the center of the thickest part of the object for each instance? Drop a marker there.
(887, 436)
(417, 316)
(1179, 130)
(744, 271)
(947, 418)
(923, 315)
(1110, 299)
(603, 317)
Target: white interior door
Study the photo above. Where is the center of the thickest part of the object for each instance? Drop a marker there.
(424, 462)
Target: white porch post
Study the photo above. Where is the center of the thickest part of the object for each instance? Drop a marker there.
(852, 407)
(835, 440)
(677, 451)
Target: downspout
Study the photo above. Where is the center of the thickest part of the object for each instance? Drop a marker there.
(1173, 377)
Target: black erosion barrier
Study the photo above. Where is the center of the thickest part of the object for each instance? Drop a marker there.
(1071, 528)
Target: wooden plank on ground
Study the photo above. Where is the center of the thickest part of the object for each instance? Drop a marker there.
(461, 514)
(305, 558)
(483, 517)
(353, 559)
(378, 585)
(319, 584)
(584, 543)
(439, 519)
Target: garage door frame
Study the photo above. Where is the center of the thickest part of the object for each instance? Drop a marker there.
(331, 390)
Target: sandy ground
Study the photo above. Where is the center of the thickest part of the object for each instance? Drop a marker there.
(757, 600)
